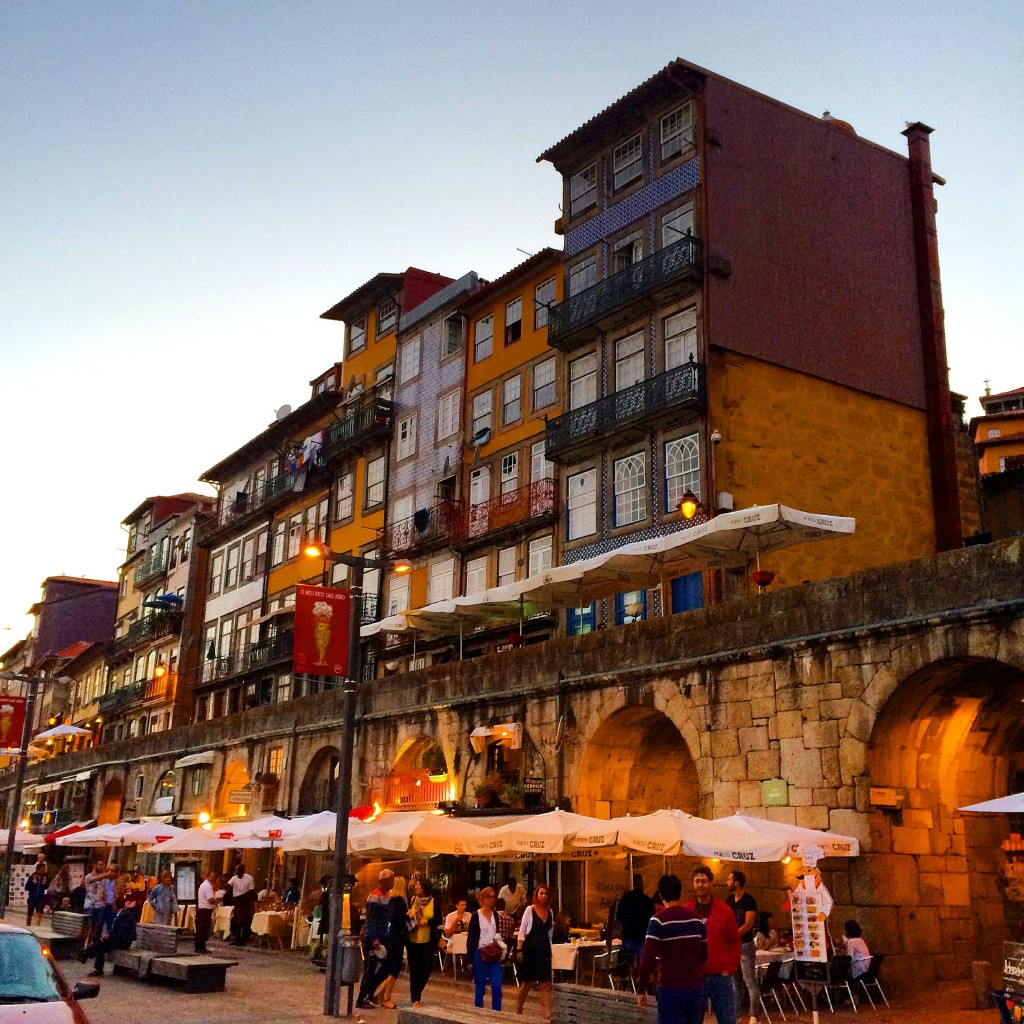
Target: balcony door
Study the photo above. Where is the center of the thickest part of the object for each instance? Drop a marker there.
(629, 371)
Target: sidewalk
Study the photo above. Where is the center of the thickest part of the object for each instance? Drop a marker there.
(283, 986)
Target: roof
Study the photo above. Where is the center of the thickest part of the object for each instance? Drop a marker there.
(365, 295)
(77, 648)
(183, 501)
(279, 431)
(450, 295)
(82, 580)
(519, 272)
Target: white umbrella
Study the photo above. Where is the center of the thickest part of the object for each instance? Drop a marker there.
(199, 839)
(549, 833)
(423, 832)
(668, 833)
(1012, 804)
(831, 843)
(317, 835)
(125, 833)
(59, 731)
(22, 840)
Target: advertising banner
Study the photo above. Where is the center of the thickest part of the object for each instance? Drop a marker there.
(321, 631)
(808, 926)
(12, 721)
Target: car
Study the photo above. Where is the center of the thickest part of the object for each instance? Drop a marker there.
(32, 984)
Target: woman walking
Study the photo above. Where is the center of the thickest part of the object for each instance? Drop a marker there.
(485, 949)
(163, 898)
(535, 947)
(421, 938)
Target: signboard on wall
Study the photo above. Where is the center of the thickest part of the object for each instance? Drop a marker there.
(321, 631)
(242, 796)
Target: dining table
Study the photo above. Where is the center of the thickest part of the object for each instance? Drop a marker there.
(222, 922)
(272, 925)
(574, 956)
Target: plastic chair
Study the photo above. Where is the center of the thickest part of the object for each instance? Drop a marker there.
(770, 984)
(612, 964)
(869, 979)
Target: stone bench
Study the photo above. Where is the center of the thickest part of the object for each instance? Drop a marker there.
(68, 923)
(576, 1004)
(63, 935)
(155, 955)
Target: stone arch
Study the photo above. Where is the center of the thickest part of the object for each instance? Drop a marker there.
(109, 812)
(319, 788)
(420, 776)
(636, 761)
(236, 777)
(950, 734)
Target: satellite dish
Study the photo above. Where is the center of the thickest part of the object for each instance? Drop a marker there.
(282, 413)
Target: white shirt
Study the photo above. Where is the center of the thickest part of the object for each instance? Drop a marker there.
(513, 900)
(489, 930)
(453, 919)
(241, 885)
(861, 956)
(205, 899)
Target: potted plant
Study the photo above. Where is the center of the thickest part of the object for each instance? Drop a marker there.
(488, 790)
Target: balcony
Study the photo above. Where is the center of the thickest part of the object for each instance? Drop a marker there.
(667, 275)
(507, 514)
(430, 528)
(152, 568)
(139, 692)
(270, 650)
(149, 627)
(357, 430)
(666, 400)
(415, 790)
(368, 611)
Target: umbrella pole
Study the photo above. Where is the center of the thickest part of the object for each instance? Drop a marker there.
(302, 896)
(559, 885)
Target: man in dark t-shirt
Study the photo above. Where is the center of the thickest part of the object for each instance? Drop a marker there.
(744, 906)
(635, 910)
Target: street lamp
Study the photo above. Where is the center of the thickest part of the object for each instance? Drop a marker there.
(690, 506)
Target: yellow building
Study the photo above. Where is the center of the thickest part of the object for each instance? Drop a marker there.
(999, 433)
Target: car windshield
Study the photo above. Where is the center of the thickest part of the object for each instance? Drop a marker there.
(26, 975)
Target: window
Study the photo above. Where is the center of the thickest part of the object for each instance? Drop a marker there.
(345, 497)
(676, 131)
(583, 381)
(387, 317)
(540, 468)
(453, 330)
(479, 485)
(687, 593)
(583, 190)
(630, 483)
(582, 502)
(540, 555)
(261, 553)
(384, 382)
(511, 400)
(140, 783)
(995, 432)
(375, 481)
(201, 774)
(580, 620)
(483, 344)
(231, 569)
(676, 225)
(398, 595)
(483, 415)
(582, 275)
(409, 366)
(216, 573)
(476, 576)
(278, 551)
(629, 361)
(627, 251)
(275, 761)
(506, 566)
(509, 473)
(544, 384)
(402, 509)
(185, 544)
(680, 331)
(357, 335)
(543, 300)
(627, 163)
(407, 437)
(513, 321)
(442, 581)
(630, 607)
(315, 528)
(682, 470)
(294, 535)
(448, 415)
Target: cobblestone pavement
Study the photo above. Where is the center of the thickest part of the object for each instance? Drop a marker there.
(283, 986)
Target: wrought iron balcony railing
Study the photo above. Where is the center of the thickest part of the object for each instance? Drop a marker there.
(668, 398)
(151, 568)
(369, 610)
(149, 627)
(415, 790)
(277, 647)
(429, 528)
(362, 425)
(678, 266)
(523, 508)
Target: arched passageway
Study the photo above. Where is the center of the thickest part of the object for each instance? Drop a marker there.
(235, 784)
(637, 762)
(937, 881)
(319, 788)
(419, 778)
(110, 803)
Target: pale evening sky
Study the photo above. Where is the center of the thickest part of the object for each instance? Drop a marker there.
(187, 186)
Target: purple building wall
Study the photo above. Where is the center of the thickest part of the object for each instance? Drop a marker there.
(71, 610)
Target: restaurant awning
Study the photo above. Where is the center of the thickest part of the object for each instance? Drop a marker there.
(1012, 804)
(67, 830)
(191, 760)
(831, 844)
(82, 776)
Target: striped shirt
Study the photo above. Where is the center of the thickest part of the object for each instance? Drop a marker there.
(675, 947)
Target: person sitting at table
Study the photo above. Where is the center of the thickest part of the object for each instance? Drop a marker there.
(292, 895)
(560, 933)
(786, 939)
(163, 899)
(857, 949)
(457, 921)
(765, 936)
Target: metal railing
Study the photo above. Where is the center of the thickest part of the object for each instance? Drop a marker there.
(434, 526)
(521, 507)
(678, 388)
(149, 627)
(680, 259)
(414, 790)
(272, 649)
(370, 420)
(152, 567)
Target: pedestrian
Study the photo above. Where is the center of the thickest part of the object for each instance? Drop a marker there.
(243, 892)
(514, 896)
(422, 917)
(35, 887)
(634, 912)
(163, 899)
(485, 949)
(121, 936)
(398, 911)
(534, 947)
(95, 902)
(376, 929)
(59, 888)
(723, 948)
(206, 904)
(744, 907)
(674, 948)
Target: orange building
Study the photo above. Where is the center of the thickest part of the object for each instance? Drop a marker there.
(999, 433)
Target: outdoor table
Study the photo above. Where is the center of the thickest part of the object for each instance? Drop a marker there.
(222, 922)
(272, 924)
(585, 933)
(565, 956)
(187, 918)
(147, 913)
(767, 956)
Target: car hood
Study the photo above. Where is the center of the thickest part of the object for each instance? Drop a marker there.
(42, 1013)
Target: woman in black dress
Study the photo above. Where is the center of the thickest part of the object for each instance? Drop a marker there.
(535, 949)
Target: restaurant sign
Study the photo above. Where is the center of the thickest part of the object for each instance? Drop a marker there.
(242, 796)
(808, 926)
(1013, 967)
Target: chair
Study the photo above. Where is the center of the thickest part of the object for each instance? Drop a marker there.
(456, 951)
(869, 979)
(840, 978)
(612, 964)
(770, 984)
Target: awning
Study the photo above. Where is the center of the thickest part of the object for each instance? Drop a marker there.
(81, 777)
(67, 830)
(191, 760)
(272, 615)
(48, 787)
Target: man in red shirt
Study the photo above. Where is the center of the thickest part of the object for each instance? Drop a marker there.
(674, 947)
(723, 959)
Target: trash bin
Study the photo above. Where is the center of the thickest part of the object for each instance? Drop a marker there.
(351, 960)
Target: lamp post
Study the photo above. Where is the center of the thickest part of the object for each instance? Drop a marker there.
(357, 565)
(34, 682)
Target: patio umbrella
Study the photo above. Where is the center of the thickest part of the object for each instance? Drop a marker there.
(67, 830)
(62, 732)
(830, 843)
(423, 832)
(125, 833)
(317, 835)
(22, 840)
(668, 833)
(550, 833)
(201, 840)
(1012, 804)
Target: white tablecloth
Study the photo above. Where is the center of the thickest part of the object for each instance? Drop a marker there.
(222, 922)
(564, 955)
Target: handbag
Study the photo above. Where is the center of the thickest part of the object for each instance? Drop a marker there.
(490, 954)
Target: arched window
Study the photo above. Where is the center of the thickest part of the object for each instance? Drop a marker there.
(682, 470)
(166, 788)
(630, 497)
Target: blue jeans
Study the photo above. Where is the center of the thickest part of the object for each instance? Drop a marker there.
(680, 1005)
(720, 990)
(482, 973)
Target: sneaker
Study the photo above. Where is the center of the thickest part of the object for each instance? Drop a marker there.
(365, 1004)
(95, 974)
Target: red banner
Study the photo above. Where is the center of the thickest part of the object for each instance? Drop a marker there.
(321, 631)
(12, 721)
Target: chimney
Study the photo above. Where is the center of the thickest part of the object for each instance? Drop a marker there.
(941, 436)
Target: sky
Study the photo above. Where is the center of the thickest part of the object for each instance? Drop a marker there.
(186, 187)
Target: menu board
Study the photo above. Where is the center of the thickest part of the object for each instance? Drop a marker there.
(185, 881)
(808, 926)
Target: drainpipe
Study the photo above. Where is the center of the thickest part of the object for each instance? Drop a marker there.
(939, 411)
